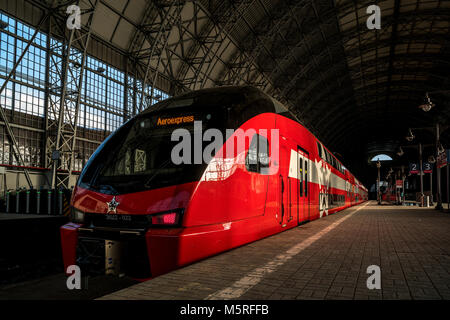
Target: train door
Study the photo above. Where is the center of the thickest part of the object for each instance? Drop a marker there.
(303, 190)
(284, 190)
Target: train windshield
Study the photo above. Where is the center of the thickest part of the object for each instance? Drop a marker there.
(138, 156)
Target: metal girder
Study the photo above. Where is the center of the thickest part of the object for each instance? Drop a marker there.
(178, 60)
(322, 54)
(242, 66)
(330, 116)
(354, 32)
(343, 126)
(404, 59)
(330, 79)
(160, 38)
(66, 71)
(15, 145)
(402, 19)
(271, 34)
(353, 53)
(213, 49)
(392, 49)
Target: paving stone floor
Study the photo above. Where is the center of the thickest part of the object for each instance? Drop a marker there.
(411, 246)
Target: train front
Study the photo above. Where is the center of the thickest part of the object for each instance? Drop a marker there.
(129, 201)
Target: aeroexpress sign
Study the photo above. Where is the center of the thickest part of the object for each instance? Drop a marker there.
(426, 167)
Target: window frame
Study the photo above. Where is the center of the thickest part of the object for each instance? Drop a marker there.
(258, 162)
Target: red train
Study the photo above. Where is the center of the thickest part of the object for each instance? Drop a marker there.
(158, 215)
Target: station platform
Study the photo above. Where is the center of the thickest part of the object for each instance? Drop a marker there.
(13, 217)
(29, 245)
(324, 259)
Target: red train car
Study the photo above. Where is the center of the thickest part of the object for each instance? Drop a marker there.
(164, 215)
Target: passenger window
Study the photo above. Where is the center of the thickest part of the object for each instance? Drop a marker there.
(319, 150)
(301, 178)
(258, 154)
(306, 178)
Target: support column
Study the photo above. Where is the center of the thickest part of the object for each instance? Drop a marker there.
(438, 173)
(65, 99)
(421, 174)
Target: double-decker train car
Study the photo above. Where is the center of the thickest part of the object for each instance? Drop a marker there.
(151, 193)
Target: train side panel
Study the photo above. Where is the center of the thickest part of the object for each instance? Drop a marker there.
(230, 205)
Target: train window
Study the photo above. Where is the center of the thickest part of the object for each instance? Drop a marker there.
(258, 154)
(319, 150)
(328, 156)
(306, 178)
(301, 178)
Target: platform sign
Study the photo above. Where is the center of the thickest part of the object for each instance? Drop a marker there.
(427, 167)
(413, 168)
(442, 159)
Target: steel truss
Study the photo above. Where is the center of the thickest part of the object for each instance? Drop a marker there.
(15, 145)
(67, 63)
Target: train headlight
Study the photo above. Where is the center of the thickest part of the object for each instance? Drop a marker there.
(169, 219)
(77, 215)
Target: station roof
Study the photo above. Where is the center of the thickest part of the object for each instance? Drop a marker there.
(357, 89)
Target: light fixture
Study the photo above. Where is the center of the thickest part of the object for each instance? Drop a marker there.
(431, 159)
(378, 164)
(410, 137)
(440, 148)
(400, 152)
(427, 105)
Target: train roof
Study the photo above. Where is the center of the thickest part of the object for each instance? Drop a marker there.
(248, 102)
(246, 95)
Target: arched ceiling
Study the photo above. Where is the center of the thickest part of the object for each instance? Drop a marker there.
(356, 89)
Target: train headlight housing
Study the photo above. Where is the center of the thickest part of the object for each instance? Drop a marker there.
(166, 219)
(77, 215)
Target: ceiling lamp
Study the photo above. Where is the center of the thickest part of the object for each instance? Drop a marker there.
(410, 137)
(400, 152)
(427, 105)
(378, 164)
(431, 159)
